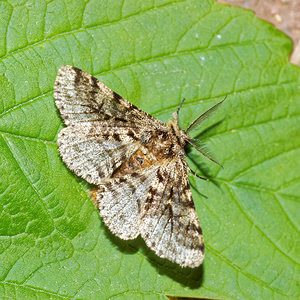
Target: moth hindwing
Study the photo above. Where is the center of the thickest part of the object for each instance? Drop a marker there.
(136, 161)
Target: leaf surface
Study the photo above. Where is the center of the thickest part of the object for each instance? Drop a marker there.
(154, 53)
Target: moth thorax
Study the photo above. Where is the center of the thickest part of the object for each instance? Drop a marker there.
(178, 134)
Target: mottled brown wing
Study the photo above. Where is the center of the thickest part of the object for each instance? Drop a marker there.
(80, 97)
(94, 150)
(103, 129)
(168, 220)
(119, 201)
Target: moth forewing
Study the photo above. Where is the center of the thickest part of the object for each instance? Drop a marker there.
(136, 161)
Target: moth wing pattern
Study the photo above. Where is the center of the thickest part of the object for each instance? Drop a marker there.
(119, 201)
(169, 223)
(92, 152)
(81, 97)
(103, 129)
(156, 203)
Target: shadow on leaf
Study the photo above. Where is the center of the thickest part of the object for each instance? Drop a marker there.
(186, 276)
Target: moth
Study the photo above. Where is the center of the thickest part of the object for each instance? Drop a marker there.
(137, 163)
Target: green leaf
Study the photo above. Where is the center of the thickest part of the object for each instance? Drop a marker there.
(53, 243)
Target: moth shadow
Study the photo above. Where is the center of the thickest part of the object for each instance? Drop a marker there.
(186, 276)
(202, 166)
(210, 130)
(189, 277)
(124, 246)
(204, 170)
